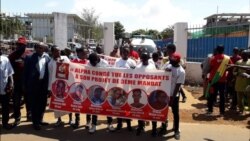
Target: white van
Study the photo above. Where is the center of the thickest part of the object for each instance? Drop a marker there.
(145, 44)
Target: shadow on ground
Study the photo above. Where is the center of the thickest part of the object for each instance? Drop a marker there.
(66, 133)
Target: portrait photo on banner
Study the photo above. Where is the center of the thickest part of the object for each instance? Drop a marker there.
(137, 98)
(78, 92)
(158, 100)
(117, 97)
(60, 89)
(97, 95)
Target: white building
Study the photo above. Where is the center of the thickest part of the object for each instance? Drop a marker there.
(42, 25)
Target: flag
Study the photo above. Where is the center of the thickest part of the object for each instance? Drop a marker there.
(220, 71)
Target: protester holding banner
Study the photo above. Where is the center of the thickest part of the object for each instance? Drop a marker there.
(36, 75)
(156, 60)
(96, 61)
(56, 57)
(127, 63)
(82, 55)
(171, 49)
(178, 78)
(144, 65)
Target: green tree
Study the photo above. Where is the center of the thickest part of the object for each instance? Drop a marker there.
(153, 33)
(98, 32)
(168, 32)
(10, 26)
(91, 26)
(139, 31)
(119, 30)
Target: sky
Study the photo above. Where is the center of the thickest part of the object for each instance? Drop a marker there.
(134, 14)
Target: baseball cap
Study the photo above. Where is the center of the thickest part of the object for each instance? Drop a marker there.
(22, 40)
(176, 57)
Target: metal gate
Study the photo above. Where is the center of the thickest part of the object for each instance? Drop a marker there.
(202, 40)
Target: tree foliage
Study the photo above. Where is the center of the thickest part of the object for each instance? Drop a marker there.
(119, 30)
(10, 26)
(155, 34)
(139, 31)
(168, 32)
(91, 26)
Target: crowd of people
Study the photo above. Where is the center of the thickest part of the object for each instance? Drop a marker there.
(29, 76)
(228, 78)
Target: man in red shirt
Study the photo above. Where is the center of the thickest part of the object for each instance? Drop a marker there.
(133, 54)
(17, 61)
(82, 55)
(218, 86)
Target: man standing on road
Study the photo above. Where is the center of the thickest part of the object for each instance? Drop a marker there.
(82, 55)
(36, 78)
(145, 65)
(241, 82)
(6, 87)
(178, 78)
(127, 63)
(217, 79)
(96, 61)
(56, 57)
(171, 49)
(231, 79)
(17, 61)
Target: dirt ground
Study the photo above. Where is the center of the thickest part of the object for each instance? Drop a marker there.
(197, 114)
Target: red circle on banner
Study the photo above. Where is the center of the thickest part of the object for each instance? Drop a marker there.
(158, 100)
(97, 95)
(137, 98)
(117, 97)
(60, 89)
(78, 92)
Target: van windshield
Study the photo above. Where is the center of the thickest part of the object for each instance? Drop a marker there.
(144, 47)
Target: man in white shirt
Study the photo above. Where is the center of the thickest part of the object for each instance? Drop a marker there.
(6, 87)
(96, 61)
(178, 78)
(144, 65)
(56, 57)
(36, 80)
(126, 63)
